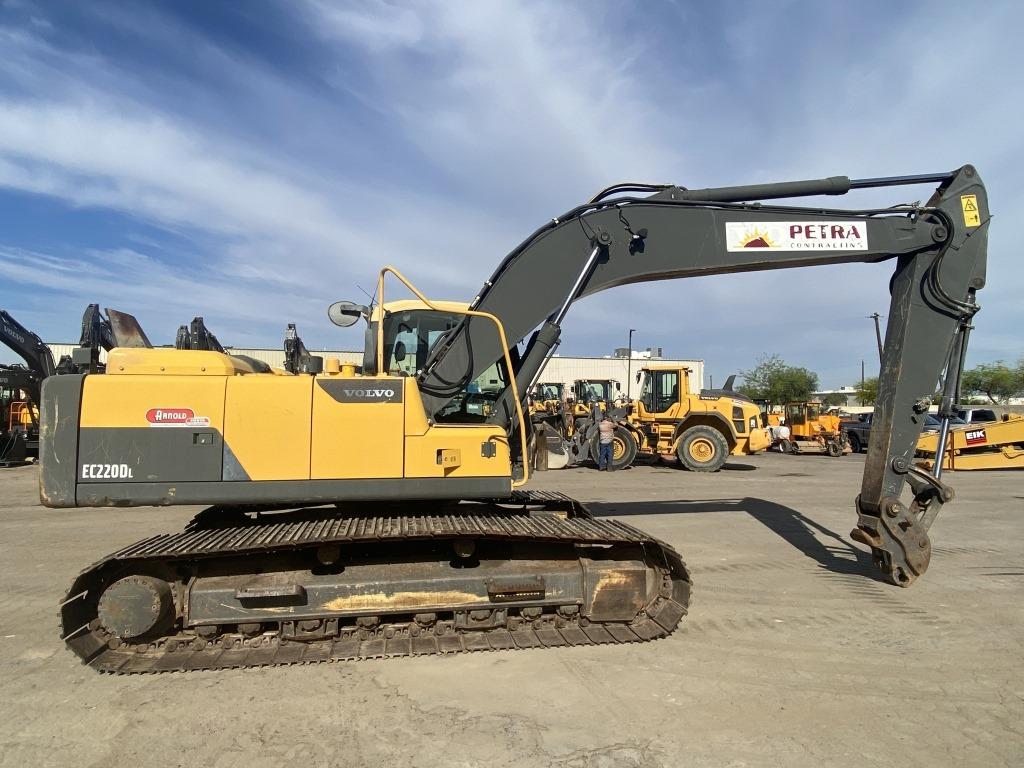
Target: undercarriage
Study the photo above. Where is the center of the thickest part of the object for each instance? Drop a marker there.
(268, 587)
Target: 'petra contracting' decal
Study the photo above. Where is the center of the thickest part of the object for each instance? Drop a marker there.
(796, 235)
(175, 417)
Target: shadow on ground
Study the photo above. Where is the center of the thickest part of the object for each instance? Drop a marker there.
(823, 545)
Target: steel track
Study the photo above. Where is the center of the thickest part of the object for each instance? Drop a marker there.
(569, 523)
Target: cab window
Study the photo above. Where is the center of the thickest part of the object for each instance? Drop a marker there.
(795, 414)
(594, 392)
(409, 336)
(660, 391)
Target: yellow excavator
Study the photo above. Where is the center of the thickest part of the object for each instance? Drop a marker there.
(379, 510)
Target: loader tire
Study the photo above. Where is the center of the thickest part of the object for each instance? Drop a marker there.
(786, 446)
(702, 449)
(833, 448)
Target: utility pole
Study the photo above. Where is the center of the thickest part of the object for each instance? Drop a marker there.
(862, 382)
(629, 366)
(878, 334)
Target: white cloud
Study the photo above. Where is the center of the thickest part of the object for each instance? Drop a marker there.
(439, 134)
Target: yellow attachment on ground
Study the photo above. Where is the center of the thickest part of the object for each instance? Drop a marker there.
(987, 445)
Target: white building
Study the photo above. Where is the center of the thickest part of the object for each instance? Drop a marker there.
(560, 368)
(850, 393)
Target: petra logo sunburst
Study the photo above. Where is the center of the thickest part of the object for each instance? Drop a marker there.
(757, 239)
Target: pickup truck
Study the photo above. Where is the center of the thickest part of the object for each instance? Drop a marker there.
(859, 429)
(977, 415)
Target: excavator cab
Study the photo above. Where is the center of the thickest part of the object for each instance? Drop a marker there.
(411, 333)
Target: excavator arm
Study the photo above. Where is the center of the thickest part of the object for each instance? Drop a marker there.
(939, 251)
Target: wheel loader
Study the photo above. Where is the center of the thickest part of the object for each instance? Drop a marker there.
(588, 394)
(379, 510)
(699, 430)
(548, 405)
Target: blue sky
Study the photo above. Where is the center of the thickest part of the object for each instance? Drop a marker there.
(253, 162)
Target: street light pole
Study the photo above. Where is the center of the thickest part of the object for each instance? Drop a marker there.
(629, 366)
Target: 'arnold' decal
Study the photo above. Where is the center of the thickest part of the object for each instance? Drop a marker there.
(358, 390)
(796, 235)
(176, 417)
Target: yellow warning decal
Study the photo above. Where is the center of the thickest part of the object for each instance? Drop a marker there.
(971, 216)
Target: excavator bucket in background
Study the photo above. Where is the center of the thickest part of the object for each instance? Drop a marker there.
(987, 445)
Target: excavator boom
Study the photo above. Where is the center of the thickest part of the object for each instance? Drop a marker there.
(939, 250)
(30, 348)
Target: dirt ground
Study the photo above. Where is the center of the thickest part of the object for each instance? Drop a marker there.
(793, 654)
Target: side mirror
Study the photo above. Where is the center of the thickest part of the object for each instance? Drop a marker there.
(346, 313)
(399, 352)
(638, 375)
(618, 387)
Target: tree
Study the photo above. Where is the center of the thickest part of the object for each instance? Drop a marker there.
(997, 381)
(776, 383)
(867, 392)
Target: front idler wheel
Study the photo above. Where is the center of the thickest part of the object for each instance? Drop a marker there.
(136, 607)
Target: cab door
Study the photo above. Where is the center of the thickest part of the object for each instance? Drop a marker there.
(660, 395)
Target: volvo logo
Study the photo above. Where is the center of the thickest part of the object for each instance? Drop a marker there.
(362, 390)
(13, 334)
(374, 394)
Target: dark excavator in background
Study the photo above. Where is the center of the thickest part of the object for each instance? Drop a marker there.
(21, 385)
(20, 388)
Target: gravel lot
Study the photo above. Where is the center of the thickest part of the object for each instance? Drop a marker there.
(793, 653)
